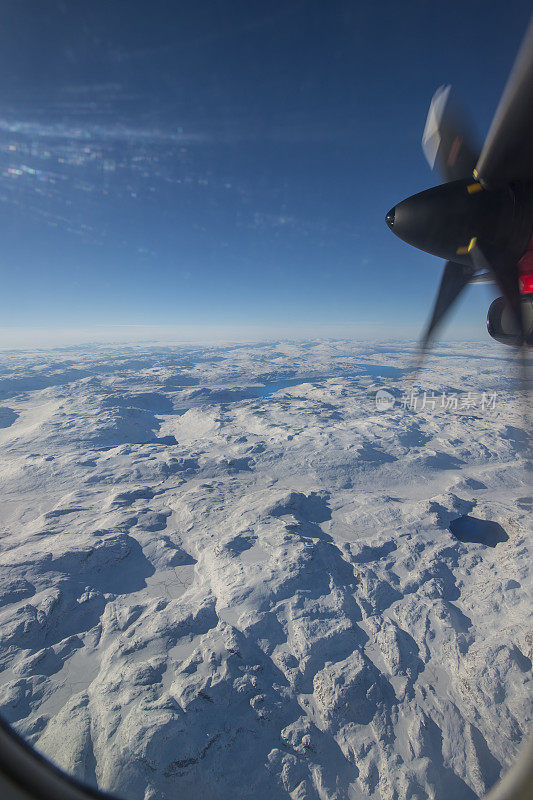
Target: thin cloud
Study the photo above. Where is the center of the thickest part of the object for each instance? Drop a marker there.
(127, 133)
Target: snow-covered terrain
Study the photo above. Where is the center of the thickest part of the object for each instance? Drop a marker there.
(226, 574)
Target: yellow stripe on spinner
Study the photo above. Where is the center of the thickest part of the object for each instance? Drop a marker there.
(472, 188)
(475, 174)
(467, 248)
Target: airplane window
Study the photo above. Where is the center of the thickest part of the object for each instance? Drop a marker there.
(265, 527)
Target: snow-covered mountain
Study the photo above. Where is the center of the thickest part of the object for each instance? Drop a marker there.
(226, 574)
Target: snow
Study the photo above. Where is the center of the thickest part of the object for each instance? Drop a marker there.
(225, 573)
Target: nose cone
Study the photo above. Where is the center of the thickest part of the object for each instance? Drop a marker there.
(422, 220)
(409, 219)
(444, 219)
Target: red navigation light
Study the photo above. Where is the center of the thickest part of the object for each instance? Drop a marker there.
(525, 269)
(526, 284)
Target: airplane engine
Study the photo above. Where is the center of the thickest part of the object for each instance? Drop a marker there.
(502, 324)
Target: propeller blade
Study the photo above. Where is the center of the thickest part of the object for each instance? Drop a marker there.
(447, 139)
(507, 154)
(454, 279)
(504, 267)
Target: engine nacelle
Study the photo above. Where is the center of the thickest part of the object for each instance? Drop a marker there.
(501, 323)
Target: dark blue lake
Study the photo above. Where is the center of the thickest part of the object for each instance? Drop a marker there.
(374, 370)
(234, 394)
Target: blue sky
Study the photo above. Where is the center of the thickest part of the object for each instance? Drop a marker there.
(230, 163)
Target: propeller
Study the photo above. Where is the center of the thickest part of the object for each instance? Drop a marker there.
(448, 144)
(504, 268)
(506, 156)
(454, 279)
(448, 139)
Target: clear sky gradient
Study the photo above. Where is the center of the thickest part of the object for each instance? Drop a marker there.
(230, 163)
